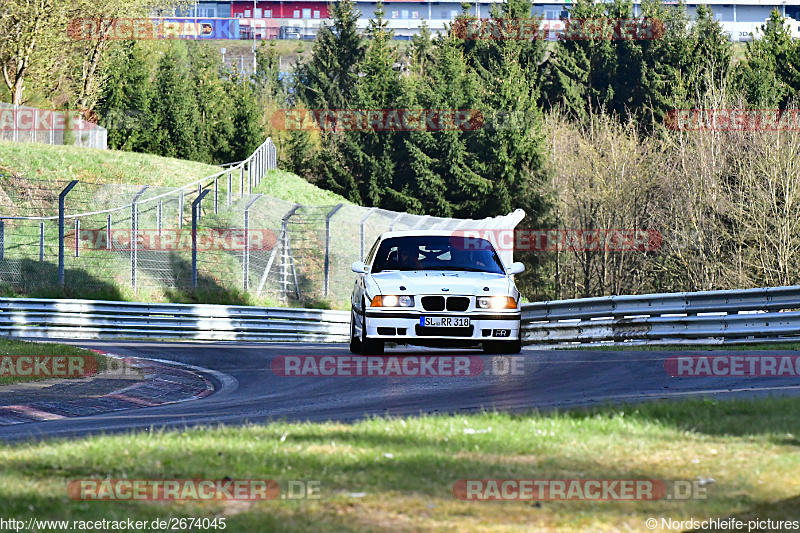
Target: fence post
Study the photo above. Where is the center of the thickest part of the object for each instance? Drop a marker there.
(195, 218)
(108, 231)
(159, 214)
(216, 195)
(200, 196)
(77, 237)
(2, 240)
(230, 185)
(328, 246)
(395, 220)
(246, 259)
(41, 241)
(180, 210)
(61, 201)
(363, 220)
(241, 179)
(250, 167)
(134, 236)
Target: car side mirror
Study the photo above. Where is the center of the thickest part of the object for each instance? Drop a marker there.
(515, 268)
(360, 268)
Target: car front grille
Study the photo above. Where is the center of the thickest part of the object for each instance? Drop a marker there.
(437, 303)
(433, 303)
(457, 303)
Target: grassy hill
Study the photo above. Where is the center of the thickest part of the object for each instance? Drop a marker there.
(32, 175)
(65, 163)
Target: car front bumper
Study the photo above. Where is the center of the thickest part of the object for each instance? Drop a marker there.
(404, 326)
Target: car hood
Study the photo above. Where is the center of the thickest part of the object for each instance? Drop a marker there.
(433, 281)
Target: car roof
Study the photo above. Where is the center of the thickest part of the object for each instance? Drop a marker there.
(419, 233)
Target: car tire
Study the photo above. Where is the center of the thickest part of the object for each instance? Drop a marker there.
(369, 346)
(355, 342)
(503, 347)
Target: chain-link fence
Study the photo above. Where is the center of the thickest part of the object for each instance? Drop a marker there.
(29, 124)
(214, 240)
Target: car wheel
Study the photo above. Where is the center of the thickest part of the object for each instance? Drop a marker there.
(503, 347)
(355, 342)
(369, 346)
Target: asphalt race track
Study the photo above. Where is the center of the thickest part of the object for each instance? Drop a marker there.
(249, 391)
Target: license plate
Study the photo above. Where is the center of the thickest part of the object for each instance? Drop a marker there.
(444, 321)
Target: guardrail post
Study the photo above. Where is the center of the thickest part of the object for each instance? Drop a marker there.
(246, 258)
(134, 236)
(363, 220)
(195, 218)
(328, 246)
(61, 202)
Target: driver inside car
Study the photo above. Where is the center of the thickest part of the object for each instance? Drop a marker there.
(409, 259)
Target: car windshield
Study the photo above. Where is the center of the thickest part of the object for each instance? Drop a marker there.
(436, 253)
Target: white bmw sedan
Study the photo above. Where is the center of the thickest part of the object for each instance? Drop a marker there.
(431, 288)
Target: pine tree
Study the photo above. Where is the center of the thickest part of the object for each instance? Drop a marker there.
(510, 156)
(579, 73)
(664, 58)
(327, 79)
(769, 76)
(370, 160)
(421, 49)
(440, 172)
(176, 116)
(268, 75)
(248, 132)
(125, 103)
(214, 105)
(709, 60)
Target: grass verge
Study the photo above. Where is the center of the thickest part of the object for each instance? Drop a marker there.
(397, 474)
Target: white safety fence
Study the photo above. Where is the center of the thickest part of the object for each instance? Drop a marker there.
(696, 317)
(29, 124)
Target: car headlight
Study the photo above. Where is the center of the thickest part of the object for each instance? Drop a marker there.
(496, 302)
(393, 301)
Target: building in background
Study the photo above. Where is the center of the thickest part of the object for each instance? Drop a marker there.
(302, 18)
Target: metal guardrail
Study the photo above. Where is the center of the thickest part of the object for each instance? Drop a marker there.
(696, 317)
(94, 319)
